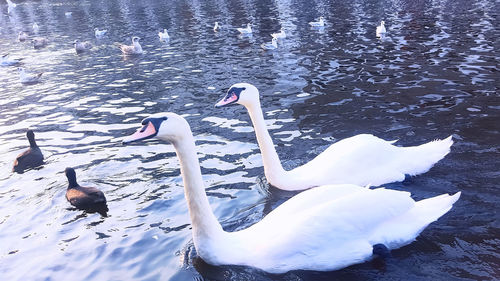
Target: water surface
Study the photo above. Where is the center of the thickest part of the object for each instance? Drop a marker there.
(435, 74)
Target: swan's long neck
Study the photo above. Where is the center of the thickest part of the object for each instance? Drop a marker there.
(204, 223)
(272, 165)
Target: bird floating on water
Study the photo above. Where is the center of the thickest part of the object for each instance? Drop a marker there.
(164, 35)
(216, 27)
(30, 158)
(270, 45)
(319, 23)
(22, 36)
(27, 78)
(325, 228)
(39, 42)
(362, 159)
(99, 33)
(81, 47)
(10, 6)
(68, 14)
(36, 28)
(246, 30)
(380, 31)
(280, 35)
(134, 49)
(6, 61)
(83, 197)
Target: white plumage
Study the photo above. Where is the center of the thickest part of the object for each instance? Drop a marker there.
(380, 31)
(27, 78)
(324, 228)
(164, 35)
(247, 30)
(319, 23)
(99, 33)
(134, 49)
(362, 159)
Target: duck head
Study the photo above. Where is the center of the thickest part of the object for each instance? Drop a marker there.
(241, 93)
(71, 175)
(165, 126)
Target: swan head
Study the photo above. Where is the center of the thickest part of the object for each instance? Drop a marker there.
(135, 39)
(165, 126)
(241, 93)
(382, 23)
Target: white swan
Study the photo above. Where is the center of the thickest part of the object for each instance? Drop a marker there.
(164, 35)
(247, 30)
(81, 47)
(134, 49)
(216, 27)
(324, 228)
(380, 31)
(26, 78)
(280, 35)
(363, 159)
(270, 45)
(99, 33)
(319, 23)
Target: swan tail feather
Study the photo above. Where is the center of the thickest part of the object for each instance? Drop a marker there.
(419, 159)
(403, 229)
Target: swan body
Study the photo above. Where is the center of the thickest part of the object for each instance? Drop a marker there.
(22, 36)
(324, 228)
(319, 23)
(362, 159)
(81, 47)
(27, 78)
(134, 49)
(164, 35)
(6, 61)
(30, 158)
(270, 45)
(99, 33)
(216, 27)
(246, 30)
(381, 29)
(280, 35)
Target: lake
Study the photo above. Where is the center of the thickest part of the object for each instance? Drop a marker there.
(433, 75)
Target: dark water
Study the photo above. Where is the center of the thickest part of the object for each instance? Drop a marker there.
(435, 74)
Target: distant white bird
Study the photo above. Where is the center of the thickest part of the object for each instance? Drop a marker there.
(10, 6)
(134, 49)
(6, 61)
(247, 30)
(319, 23)
(381, 29)
(164, 35)
(36, 28)
(68, 14)
(81, 47)
(216, 27)
(279, 35)
(39, 42)
(270, 45)
(26, 78)
(22, 36)
(99, 33)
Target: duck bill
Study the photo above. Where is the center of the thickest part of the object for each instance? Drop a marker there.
(146, 132)
(229, 99)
